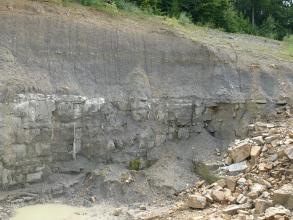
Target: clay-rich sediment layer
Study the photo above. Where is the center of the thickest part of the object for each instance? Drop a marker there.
(49, 53)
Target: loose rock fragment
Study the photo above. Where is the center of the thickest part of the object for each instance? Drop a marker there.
(236, 168)
(232, 209)
(277, 211)
(255, 151)
(218, 195)
(231, 183)
(257, 188)
(284, 196)
(288, 151)
(196, 202)
(261, 205)
(241, 199)
(239, 152)
(258, 140)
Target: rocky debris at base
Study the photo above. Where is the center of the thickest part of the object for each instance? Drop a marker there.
(257, 180)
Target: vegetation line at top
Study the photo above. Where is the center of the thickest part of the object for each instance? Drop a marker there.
(267, 18)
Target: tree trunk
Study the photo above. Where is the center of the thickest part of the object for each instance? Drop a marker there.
(253, 13)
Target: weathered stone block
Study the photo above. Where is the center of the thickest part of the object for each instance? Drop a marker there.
(34, 177)
(239, 152)
(19, 150)
(284, 196)
(196, 202)
(43, 149)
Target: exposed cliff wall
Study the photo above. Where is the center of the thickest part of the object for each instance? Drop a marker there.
(72, 87)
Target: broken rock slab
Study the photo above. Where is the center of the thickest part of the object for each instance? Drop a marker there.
(236, 168)
(232, 209)
(257, 188)
(272, 212)
(231, 183)
(255, 151)
(34, 177)
(218, 195)
(261, 205)
(196, 202)
(288, 151)
(240, 152)
(284, 196)
(258, 140)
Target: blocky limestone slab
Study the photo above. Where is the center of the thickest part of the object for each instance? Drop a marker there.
(284, 196)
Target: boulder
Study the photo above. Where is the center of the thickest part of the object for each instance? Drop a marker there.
(231, 183)
(239, 152)
(261, 205)
(218, 195)
(255, 151)
(284, 196)
(288, 151)
(276, 211)
(257, 188)
(196, 202)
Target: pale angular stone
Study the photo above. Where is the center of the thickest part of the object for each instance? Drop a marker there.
(236, 167)
(231, 183)
(259, 126)
(208, 196)
(279, 210)
(232, 209)
(252, 195)
(275, 143)
(239, 152)
(242, 181)
(288, 151)
(255, 151)
(257, 188)
(218, 195)
(284, 196)
(228, 160)
(196, 202)
(241, 199)
(34, 177)
(258, 140)
(261, 205)
(269, 139)
(288, 141)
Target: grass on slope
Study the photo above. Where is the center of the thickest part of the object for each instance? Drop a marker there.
(288, 45)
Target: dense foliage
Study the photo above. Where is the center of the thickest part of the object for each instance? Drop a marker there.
(269, 18)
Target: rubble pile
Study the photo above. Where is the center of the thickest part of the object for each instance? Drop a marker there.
(257, 179)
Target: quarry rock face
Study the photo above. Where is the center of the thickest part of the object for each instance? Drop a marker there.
(69, 88)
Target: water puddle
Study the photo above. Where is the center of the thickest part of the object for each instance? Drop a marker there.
(50, 212)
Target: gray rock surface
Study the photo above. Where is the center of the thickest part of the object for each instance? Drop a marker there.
(114, 93)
